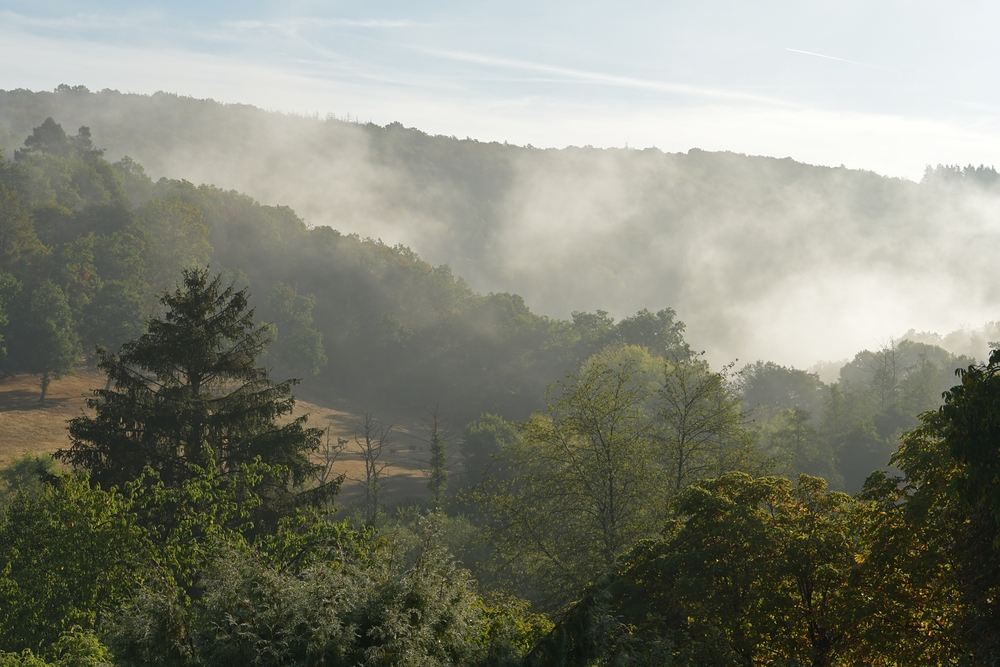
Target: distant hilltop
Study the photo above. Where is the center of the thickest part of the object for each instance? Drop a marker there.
(762, 257)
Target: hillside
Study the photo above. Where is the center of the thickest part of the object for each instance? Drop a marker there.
(89, 247)
(761, 257)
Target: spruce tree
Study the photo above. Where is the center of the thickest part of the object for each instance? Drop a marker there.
(437, 443)
(190, 391)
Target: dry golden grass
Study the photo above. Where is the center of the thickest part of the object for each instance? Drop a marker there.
(404, 476)
(28, 427)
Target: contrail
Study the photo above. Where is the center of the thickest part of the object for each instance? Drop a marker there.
(605, 79)
(843, 60)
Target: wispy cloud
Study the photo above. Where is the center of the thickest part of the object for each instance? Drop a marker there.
(75, 22)
(600, 78)
(842, 60)
(312, 22)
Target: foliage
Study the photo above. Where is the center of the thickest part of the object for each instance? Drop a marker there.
(67, 553)
(797, 445)
(510, 630)
(297, 348)
(74, 648)
(971, 432)
(845, 430)
(586, 480)
(483, 441)
(768, 386)
(437, 465)
(950, 486)
(19, 244)
(25, 475)
(114, 316)
(700, 428)
(372, 611)
(754, 571)
(172, 576)
(177, 240)
(43, 340)
(585, 486)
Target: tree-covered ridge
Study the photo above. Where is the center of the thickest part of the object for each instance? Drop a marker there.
(87, 246)
(366, 319)
(843, 431)
(723, 238)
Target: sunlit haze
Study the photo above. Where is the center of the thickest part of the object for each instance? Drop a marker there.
(889, 87)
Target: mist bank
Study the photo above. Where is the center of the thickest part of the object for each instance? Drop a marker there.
(761, 257)
(91, 250)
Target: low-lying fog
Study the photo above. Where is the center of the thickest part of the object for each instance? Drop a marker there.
(761, 257)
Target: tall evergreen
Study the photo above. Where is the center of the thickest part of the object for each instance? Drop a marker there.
(437, 444)
(190, 391)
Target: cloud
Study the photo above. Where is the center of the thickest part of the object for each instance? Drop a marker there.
(843, 60)
(599, 78)
(445, 103)
(75, 23)
(317, 22)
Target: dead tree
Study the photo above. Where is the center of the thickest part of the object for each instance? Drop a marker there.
(371, 438)
(328, 453)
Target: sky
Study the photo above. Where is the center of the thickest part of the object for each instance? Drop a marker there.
(889, 86)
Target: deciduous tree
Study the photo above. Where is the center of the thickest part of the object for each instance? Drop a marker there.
(44, 340)
(584, 484)
(700, 426)
(371, 438)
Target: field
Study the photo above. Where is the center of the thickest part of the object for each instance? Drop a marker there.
(29, 427)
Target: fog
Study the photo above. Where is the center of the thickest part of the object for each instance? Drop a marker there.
(761, 257)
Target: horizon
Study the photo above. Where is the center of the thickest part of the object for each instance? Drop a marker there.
(883, 88)
(315, 116)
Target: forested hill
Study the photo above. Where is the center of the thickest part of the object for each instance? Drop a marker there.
(763, 257)
(86, 247)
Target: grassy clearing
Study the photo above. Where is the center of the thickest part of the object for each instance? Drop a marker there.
(28, 427)
(404, 477)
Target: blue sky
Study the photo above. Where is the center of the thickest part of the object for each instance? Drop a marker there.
(888, 86)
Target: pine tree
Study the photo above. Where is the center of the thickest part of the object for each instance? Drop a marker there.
(437, 444)
(189, 391)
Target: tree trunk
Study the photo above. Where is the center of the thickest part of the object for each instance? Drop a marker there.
(46, 380)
